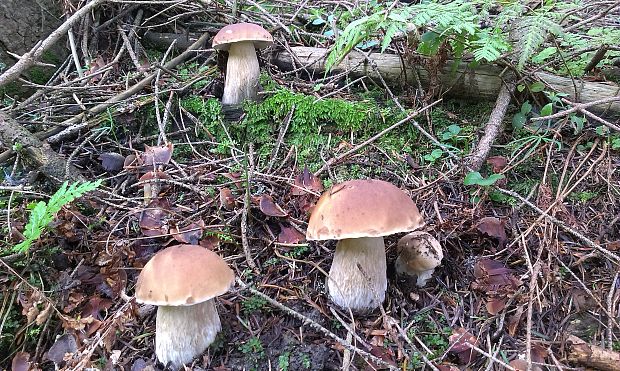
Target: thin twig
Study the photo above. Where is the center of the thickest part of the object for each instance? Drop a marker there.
(246, 210)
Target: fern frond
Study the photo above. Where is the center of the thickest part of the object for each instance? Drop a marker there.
(533, 32)
(42, 213)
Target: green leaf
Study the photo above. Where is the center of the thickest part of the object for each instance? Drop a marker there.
(601, 130)
(430, 43)
(547, 109)
(526, 108)
(518, 120)
(537, 87)
(520, 88)
(475, 178)
(578, 121)
(541, 57)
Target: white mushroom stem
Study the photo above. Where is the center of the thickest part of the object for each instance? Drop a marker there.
(357, 278)
(242, 73)
(423, 275)
(184, 332)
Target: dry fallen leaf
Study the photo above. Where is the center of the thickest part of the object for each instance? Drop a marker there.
(496, 281)
(306, 180)
(495, 305)
(227, 199)
(385, 354)
(519, 364)
(112, 162)
(290, 235)
(493, 227)
(498, 163)
(269, 207)
(158, 155)
(154, 218)
(236, 178)
(63, 345)
(190, 234)
(210, 242)
(513, 321)
(20, 362)
(461, 342)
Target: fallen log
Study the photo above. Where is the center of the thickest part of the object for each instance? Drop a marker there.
(483, 82)
(40, 155)
(592, 356)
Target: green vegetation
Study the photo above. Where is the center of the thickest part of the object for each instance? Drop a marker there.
(253, 350)
(433, 332)
(314, 124)
(305, 360)
(283, 361)
(462, 25)
(253, 304)
(42, 213)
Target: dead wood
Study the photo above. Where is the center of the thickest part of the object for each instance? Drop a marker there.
(482, 83)
(592, 356)
(492, 128)
(79, 122)
(42, 157)
(34, 55)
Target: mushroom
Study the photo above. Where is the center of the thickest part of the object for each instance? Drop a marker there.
(182, 281)
(152, 187)
(242, 70)
(419, 255)
(359, 213)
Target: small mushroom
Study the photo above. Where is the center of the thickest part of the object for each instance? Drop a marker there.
(359, 213)
(419, 255)
(183, 281)
(242, 69)
(152, 187)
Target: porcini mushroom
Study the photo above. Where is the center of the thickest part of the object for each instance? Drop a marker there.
(182, 281)
(419, 254)
(359, 213)
(242, 70)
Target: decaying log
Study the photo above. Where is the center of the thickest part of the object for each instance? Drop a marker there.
(592, 356)
(483, 82)
(41, 155)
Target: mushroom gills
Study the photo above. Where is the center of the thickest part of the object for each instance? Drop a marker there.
(184, 332)
(351, 287)
(242, 73)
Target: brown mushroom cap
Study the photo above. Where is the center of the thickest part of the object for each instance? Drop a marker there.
(242, 32)
(419, 251)
(154, 175)
(183, 275)
(363, 208)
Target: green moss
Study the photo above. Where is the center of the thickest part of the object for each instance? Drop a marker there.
(49, 56)
(314, 125)
(39, 75)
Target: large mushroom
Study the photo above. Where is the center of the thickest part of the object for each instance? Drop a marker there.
(419, 254)
(242, 69)
(359, 213)
(182, 281)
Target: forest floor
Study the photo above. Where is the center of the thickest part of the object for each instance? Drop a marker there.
(530, 257)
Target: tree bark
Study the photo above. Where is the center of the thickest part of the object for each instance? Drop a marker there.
(30, 58)
(483, 82)
(23, 23)
(592, 356)
(48, 162)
